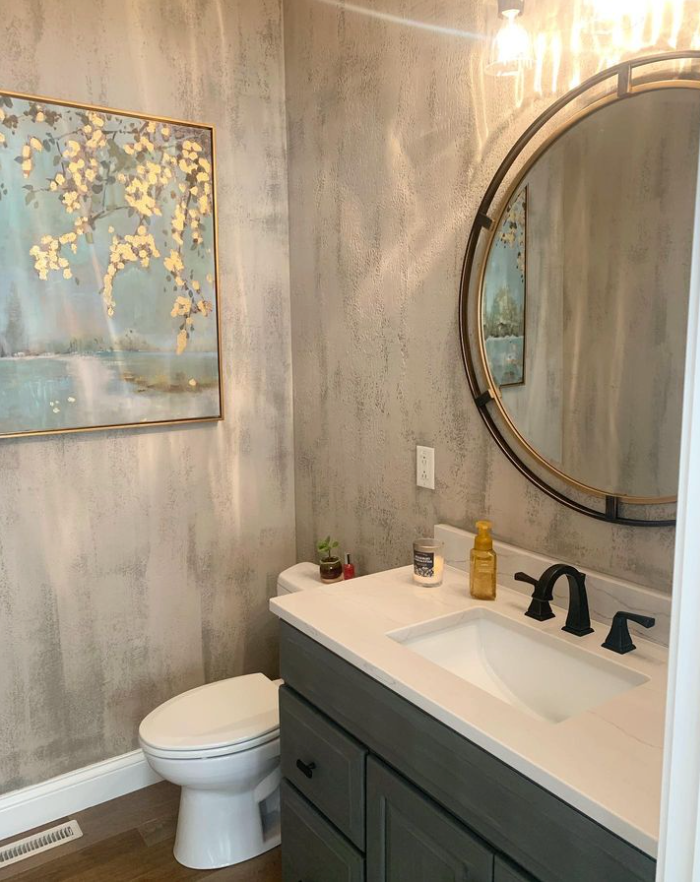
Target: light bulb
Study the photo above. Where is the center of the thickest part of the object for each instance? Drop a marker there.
(511, 50)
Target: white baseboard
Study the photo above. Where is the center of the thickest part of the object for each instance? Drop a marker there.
(39, 804)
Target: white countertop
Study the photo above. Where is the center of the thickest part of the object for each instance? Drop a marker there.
(606, 762)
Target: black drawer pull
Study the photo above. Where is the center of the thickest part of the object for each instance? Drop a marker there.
(306, 768)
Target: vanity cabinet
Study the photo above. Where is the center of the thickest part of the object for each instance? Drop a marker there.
(375, 786)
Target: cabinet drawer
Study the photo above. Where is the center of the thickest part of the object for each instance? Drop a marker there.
(325, 763)
(312, 851)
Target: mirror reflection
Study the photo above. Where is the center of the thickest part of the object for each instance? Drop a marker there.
(584, 295)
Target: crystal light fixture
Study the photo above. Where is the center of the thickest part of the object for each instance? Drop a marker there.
(511, 48)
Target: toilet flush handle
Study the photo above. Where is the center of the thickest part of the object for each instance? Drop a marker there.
(306, 768)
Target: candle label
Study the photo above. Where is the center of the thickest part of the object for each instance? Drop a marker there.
(424, 563)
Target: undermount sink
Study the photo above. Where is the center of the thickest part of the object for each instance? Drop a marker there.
(538, 673)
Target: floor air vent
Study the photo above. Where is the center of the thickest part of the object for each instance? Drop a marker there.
(25, 848)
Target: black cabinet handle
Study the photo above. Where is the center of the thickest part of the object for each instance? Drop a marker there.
(306, 768)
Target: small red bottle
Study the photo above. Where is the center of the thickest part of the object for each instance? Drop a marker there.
(348, 568)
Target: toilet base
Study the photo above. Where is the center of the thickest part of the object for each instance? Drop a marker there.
(229, 804)
(218, 829)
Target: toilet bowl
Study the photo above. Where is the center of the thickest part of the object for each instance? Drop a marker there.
(220, 744)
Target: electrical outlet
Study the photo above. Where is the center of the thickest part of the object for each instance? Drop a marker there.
(425, 467)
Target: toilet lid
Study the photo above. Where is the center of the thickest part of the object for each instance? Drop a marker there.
(219, 714)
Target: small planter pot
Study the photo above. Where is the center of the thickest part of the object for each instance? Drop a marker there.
(331, 570)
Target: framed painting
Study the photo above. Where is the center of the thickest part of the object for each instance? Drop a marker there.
(109, 314)
(504, 296)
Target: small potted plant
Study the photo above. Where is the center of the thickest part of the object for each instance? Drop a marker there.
(330, 565)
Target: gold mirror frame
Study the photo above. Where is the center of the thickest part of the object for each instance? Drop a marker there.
(621, 85)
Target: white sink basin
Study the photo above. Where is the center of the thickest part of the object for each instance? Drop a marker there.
(542, 675)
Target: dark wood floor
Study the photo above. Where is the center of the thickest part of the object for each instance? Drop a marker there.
(129, 839)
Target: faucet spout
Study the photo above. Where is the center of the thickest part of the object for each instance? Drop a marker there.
(578, 620)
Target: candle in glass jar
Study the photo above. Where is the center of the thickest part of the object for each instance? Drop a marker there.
(428, 561)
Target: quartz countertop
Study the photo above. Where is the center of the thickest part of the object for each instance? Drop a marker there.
(606, 762)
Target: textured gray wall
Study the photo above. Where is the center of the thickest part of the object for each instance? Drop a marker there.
(134, 565)
(394, 134)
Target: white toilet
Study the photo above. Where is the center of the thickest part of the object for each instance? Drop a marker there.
(220, 743)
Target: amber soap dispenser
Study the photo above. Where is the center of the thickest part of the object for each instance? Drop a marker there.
(482, 581)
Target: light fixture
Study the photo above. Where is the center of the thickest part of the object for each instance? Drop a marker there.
(510, 8)
(511, 48)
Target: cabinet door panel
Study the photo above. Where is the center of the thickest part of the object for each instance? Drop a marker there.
(507, 872)
(312, 850)
(411, 839)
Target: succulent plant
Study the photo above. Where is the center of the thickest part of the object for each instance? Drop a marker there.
(325, 548)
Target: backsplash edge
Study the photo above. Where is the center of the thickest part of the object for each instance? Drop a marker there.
(606, 594)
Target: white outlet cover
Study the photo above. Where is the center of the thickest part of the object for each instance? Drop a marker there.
(425, 467)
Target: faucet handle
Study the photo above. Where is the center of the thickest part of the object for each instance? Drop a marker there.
(523, 577)
(619, 640)
(539, 606)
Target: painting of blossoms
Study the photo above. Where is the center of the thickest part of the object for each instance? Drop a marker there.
(108, 305)
(504, 293)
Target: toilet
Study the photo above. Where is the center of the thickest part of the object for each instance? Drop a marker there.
(220, 743)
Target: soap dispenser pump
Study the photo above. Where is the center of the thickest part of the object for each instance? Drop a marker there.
(482, 581)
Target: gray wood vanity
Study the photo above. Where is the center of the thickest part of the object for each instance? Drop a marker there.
(375, 789)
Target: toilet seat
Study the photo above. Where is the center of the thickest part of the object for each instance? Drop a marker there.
(229, 716)
(203, 753)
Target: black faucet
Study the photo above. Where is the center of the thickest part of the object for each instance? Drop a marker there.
(578, 621)
(619, 639)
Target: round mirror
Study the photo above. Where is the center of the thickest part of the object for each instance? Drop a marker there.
(575, 344)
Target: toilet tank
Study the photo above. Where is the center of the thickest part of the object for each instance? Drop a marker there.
(298, 578)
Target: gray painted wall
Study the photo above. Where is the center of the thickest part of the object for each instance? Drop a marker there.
(134, 565)
(394, 134)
